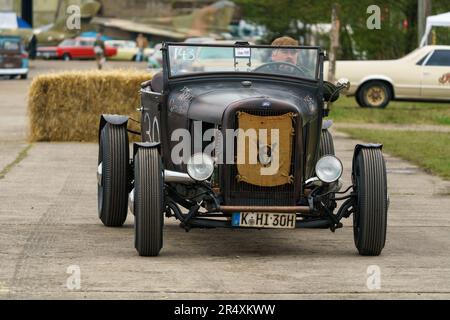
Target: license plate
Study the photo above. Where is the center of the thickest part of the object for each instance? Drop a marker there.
(9, 65)
(264, 220)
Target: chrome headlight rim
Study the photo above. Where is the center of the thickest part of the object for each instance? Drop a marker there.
(195, 161)
(319, 171)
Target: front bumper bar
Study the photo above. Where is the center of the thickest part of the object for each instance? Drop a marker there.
(18, 71)
(272, 209)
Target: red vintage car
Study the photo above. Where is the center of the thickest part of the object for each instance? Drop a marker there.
(78, 48)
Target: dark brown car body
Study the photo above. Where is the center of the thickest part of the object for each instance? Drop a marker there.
(158, 185)
(215, 101)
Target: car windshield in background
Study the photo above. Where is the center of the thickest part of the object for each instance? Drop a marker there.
(285, 61)
(10, 44)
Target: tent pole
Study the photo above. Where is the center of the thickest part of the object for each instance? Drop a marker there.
(423, 11)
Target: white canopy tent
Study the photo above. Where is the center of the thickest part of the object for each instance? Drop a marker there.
(440, 20)
(8, 20)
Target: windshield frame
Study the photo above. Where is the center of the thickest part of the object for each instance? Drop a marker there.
(168, 77)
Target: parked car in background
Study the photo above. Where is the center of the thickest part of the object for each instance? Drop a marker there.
(424, 74)
(78, 48)
(127, 50)
(13, 57)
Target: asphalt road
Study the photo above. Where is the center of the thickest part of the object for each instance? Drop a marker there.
(50, 234)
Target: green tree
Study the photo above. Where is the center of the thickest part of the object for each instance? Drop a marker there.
(397, 36)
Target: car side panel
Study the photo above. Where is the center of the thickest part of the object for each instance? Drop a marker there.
(436, 80)
(436, 83)
(109, 52)
(406, 79)
(125, 54)
(404, 74)
(75, 52)
(87, 52)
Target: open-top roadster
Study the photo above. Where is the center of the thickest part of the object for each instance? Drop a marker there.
(233, 137)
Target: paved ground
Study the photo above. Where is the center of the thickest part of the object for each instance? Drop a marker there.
(48, 223)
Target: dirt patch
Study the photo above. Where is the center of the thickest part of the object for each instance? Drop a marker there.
(22, 155)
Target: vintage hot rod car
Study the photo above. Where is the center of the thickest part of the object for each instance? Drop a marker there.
(237, 143)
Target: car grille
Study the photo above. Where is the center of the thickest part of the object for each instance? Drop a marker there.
(242, 193)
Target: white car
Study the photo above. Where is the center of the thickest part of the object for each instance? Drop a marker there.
(127, 50)
(424, 74)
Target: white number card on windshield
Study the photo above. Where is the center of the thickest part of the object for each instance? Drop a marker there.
(242, 52)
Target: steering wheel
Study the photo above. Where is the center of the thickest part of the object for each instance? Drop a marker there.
(282, 68)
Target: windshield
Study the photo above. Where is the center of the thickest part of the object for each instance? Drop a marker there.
(286, 61)
(10, 44)
(67, 43)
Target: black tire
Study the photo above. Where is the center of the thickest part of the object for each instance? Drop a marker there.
(113, 191)
(23, 76)
(326, 144)
(66, 57)
(374, 94)
(148, 202)
(370, 217)
(358, 100)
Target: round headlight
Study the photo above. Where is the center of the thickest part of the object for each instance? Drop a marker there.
(329, 169)
(200, 167)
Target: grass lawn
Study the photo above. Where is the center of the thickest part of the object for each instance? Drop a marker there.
(430, 150)
(347, 110)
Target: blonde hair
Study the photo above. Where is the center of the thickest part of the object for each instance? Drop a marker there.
(285, 41)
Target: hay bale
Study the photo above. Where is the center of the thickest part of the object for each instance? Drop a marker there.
(67, 106)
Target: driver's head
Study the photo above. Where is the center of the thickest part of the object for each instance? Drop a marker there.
(285, 55)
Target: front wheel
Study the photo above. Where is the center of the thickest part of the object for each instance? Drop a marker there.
(113, 164)
(370, 217)
(374, 94)
(148, 202)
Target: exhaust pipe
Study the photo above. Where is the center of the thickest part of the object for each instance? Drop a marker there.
(131, 201)
(169, 176)
(178, 177)
(99, 174)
